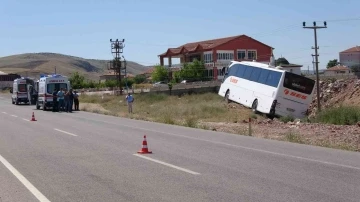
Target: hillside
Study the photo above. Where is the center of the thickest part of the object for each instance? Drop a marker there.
(38, 63)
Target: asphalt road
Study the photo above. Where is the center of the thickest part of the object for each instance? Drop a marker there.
(90, 157)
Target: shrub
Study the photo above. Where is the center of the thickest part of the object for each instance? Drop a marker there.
(286, 119)
(291, 136)
(343, 115)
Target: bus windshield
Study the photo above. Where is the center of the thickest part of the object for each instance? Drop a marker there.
(298, 83)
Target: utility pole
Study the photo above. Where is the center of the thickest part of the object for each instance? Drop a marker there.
(116, 49)
(314, 27)
(313, 63)
(308, 70)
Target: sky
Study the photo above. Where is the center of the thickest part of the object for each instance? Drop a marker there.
(83, 28)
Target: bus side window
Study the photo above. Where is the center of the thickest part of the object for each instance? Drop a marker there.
(241, 71)
(264, 73)
(232, 70)
(247, 73)
(255, 74)
(273, 78)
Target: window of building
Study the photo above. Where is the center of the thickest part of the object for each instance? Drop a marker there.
(241, 54)
(208, 57)
(225, 56)
(252, 54)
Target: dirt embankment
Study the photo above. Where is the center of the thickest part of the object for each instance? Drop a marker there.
(334, 93)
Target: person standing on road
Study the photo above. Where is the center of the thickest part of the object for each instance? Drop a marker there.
(129, 99)
(76, 101)
(66, 100)
(60, 96)
(71, 100)
(55, 101)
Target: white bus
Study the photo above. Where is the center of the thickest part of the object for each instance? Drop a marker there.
(267, 89)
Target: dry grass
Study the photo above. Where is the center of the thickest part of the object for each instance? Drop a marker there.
(188, 110)
(210, 112)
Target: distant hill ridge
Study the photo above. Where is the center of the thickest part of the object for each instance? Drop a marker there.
(46, 62)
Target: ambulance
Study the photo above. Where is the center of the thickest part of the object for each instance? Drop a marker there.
(45, 87)
(20, 91)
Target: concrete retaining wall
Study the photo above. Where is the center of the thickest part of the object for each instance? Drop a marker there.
(212, 89)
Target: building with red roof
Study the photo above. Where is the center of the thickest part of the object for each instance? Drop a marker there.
(218, 53)
(337, 70)
(350, 57)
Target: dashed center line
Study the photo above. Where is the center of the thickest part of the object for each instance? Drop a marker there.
(64, 132)
(167, 164)
(4, 112)
(25, 120)
(13, 115)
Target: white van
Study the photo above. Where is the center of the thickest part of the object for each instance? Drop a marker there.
(20, 91)
(45, 87)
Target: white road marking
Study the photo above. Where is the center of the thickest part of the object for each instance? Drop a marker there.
(167, 164)
(25, 120)
(65, 132)
(4, 112)
(13, 115)
(231, 145)
(24, 181)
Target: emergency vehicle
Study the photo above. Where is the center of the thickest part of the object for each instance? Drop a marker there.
(20, 90)
(45, 87)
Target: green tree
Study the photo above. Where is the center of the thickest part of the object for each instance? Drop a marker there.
(77, 81)
(91, 84)
(170, 85)
(282, 61)
(139, 79)
(111, 83)
(177, 77)
(193, 71)
(160, 73)
(355, 68)
(127, 82)
(332, 63)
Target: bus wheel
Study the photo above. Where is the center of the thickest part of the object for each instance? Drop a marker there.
(271, 115)
(254, 106)
(227, 95)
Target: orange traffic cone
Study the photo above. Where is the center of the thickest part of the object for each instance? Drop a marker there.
(144, 149)
(33, 117)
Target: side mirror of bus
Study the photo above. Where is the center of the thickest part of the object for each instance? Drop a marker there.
(11, 91)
